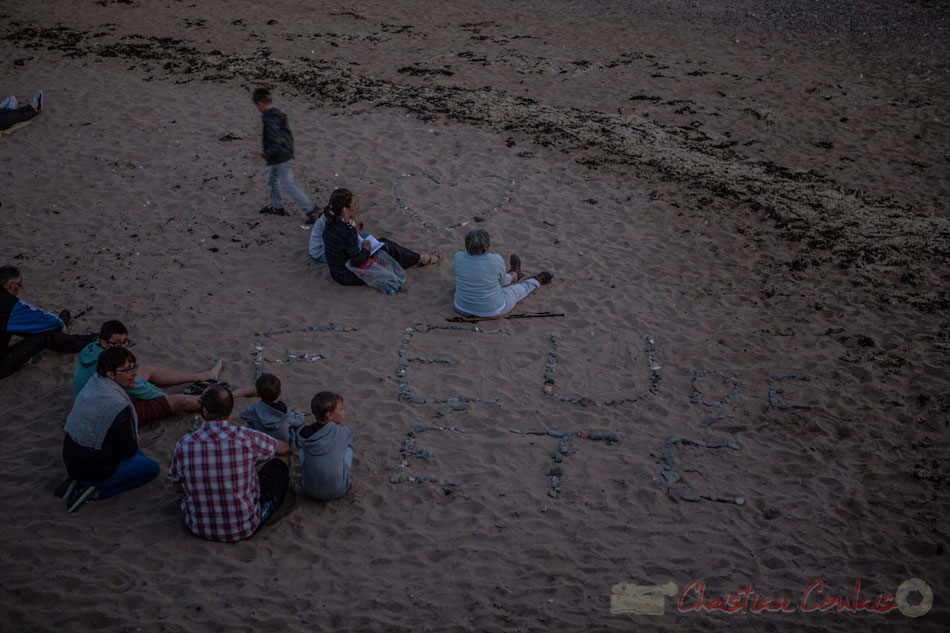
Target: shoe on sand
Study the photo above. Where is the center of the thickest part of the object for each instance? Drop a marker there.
(80, 493)
(65, 489)
(544, 277)
(273, 211)
(39, 100)
(66, 318)
(515, 262)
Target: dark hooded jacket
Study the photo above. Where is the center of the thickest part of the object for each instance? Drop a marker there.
(278, 140)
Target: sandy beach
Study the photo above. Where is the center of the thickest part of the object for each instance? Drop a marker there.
(743, 204)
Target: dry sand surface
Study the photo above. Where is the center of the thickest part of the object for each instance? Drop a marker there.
(743, 203)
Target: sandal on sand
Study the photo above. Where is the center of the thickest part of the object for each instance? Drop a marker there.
(515, 262)
(198, 387)
(544, 277)
(273, 211)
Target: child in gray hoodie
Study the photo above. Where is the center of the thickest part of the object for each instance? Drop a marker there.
(325, 451)
(271, 416)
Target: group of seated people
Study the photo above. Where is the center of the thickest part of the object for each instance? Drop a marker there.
(484, 287)
(232, 478)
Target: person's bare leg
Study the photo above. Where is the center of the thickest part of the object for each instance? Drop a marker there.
(244, 392)
(181, 403)
(161, 377)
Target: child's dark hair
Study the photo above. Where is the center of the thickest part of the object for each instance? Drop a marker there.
(339, 200)
(324, 403)
(268, 387)
(111, 328)
(261, 95)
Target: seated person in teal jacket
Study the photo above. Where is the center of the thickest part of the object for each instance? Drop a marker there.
(151, 403)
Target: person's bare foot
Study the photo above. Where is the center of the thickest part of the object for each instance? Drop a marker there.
(214, 372)
(427, 259)
(544, 277)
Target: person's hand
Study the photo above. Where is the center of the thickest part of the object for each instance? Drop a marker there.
(283, 449)
(256, 154)
(64, 329)
(367, 246)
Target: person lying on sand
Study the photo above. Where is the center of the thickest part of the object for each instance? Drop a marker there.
(232, 478)
(343, 243)
(326, 454)
(10, 114)
(40, 330)
(483, 288)
(151, 403)
(100, 449)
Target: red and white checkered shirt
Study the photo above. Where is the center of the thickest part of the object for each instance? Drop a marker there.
(215, 466)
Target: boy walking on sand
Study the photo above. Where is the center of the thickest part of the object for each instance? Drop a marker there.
(278, 146)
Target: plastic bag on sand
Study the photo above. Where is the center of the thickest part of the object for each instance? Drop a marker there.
(381, 272)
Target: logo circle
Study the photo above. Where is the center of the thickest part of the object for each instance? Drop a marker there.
(914, 610)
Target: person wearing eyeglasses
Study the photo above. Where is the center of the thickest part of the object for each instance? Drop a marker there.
(39, 329)
(101, 449)
(150, 402)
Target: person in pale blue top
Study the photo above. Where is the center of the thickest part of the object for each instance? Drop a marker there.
(317, 250)
(483, 286)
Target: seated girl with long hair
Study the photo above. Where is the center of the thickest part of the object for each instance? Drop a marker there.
(343, 243)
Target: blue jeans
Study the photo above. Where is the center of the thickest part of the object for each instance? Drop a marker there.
(348, 456)
(133, 472)
(282, 175)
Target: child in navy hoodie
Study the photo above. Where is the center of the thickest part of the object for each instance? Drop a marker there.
(270, 415)
(325, 451)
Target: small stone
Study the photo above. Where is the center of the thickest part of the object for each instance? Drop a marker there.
(418, 400)
(394, 479)
(555, 471)
(555, 482)
(422, 327)
(671, 476)
(552, 494)
(690, 495)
